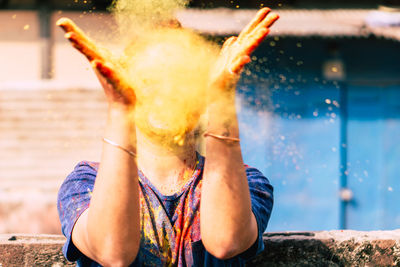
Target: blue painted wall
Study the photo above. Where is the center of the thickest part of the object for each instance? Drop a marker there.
(293, 126)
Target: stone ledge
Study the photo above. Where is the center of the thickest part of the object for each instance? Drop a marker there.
(333, 248)
(32, 250)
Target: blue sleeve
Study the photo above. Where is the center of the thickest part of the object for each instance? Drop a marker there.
(261, 193)
(73, 199)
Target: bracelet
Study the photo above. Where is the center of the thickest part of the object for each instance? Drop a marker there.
(221, 137)
(133, 154)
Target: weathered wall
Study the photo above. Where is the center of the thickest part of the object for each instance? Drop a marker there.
(43, 135)
(334, 248)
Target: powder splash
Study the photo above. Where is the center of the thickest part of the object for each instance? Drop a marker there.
(134, 15)
(168, 67)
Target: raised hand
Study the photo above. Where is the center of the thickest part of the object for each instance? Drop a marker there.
(236, 51)
(110, 74)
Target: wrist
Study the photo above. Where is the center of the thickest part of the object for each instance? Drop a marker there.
(120, 108)
(120, 126)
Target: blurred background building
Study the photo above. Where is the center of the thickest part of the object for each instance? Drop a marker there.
(319, 107)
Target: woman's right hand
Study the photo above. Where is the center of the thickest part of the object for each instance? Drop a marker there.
(118, 92)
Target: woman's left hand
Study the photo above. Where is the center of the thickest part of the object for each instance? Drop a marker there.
(236, 51)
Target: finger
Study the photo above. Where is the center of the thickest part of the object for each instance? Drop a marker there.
(80, 45)
(79, 39)
(238, 65)
(255, 38)
(106, 70)
(69, 26)
(255, 41)
(115, 87)
(261, 14)
(228, 43)
(265, 24)
(268, 20)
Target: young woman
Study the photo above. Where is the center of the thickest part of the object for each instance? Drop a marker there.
(147, 204)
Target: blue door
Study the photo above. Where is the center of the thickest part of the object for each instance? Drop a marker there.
(312, 138)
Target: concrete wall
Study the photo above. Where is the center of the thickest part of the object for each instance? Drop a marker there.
(335, 248)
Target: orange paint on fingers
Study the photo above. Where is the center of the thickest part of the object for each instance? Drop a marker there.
(107, 71)
(69, 26)
(66, 24)
(79, 39)
(81, 45)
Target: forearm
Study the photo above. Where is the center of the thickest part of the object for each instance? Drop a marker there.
(109, 230)
(228, 226)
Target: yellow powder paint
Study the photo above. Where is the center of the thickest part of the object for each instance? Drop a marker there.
(168, 68)
(133, 14)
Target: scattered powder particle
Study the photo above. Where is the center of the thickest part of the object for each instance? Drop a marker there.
(14, 16)
(26, 27)
(328, 101)
(336, 104)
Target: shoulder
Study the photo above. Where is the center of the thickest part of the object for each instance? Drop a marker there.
(84, 170)
(257, 178)
(73, 199)
(80, 179)
(89, 166)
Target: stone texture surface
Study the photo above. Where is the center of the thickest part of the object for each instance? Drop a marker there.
(333, 248)
(32, 250)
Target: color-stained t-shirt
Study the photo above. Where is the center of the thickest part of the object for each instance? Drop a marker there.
(169, 225)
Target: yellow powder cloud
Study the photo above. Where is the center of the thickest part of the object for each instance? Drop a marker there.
(168, 68)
